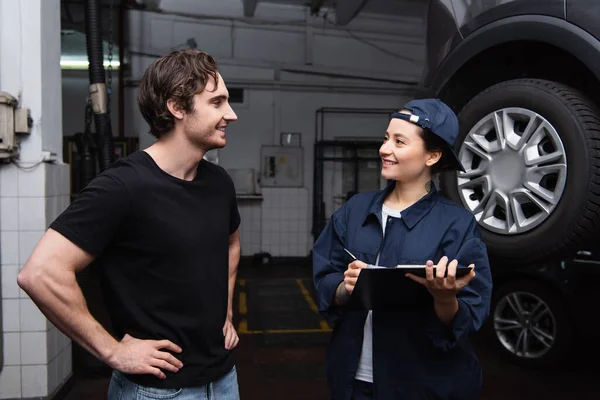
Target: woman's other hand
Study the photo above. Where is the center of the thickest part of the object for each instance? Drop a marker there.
(443, 289)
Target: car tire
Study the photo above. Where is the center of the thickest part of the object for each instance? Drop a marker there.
(542, 199)
(528, 295)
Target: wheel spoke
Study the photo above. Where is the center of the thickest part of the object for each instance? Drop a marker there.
(477, 150)
(475, 183)
(499, 125)
(481, 131)
(507, 324)
(521, 345)
(525, 342)
(470, 151)
(531, 149)
(498, 199)
(522, 197)
(534, 177)
(539, 307)
(515, 303)
(544, 338)
(535, 317)
(473, 173)
(468, 189)
(514, 140)
(538, 132)
(532, 157)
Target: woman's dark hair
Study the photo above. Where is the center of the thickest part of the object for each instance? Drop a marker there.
(178, 76)
(434, 143)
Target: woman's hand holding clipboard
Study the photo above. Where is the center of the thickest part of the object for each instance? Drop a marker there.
(444, 280)
(351, 274)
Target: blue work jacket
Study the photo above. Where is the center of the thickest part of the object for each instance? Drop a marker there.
(415, 356)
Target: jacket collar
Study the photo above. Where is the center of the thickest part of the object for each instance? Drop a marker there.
(412, 215)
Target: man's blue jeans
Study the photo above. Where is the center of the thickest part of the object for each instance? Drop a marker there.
(225, 388)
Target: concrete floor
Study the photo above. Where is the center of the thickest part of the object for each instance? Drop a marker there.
(281, 354)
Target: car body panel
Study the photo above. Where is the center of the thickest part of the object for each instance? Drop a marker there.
(484, 27)
(477, 13)
(585, 14)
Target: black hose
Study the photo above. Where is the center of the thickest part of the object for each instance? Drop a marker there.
(105, 140)
(87, 162)
(93, 28)
(93, 24)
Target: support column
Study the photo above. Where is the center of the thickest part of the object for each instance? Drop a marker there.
(33, 190)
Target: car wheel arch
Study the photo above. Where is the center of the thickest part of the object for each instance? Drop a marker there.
(527, 32)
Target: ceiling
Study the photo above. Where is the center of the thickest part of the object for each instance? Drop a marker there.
(73, 22)
(411, 8)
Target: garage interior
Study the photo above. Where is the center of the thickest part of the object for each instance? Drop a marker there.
(313, 83)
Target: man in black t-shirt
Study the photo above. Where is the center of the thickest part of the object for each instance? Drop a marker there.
(162, 227)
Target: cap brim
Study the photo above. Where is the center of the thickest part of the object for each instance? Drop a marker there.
(422, 123)
(456, 161)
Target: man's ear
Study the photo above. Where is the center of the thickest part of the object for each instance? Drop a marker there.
(434, 157)
(175, 109)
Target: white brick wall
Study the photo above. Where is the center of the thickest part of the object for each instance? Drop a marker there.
(37, 357)
(250, 226)
(285, 222)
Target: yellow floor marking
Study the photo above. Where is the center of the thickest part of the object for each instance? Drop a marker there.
(243, 328)
(243, 303)
(243, 308)
(311, 303)
(240, 331)
(307, 296)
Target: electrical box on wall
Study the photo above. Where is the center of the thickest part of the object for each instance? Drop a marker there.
(13, 120)
(281, 166)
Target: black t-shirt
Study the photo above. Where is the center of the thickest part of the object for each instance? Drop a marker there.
(162, 246)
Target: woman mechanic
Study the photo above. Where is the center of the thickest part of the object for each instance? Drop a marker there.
(418, 352)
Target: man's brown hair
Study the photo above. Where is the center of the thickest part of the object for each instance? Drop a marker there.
(179, 76)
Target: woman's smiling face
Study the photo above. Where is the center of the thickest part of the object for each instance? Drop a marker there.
(403, 154)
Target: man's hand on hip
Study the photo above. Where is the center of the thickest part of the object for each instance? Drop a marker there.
(135, 356)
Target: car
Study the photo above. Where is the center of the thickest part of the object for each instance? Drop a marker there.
(541, 312)
(523, 77)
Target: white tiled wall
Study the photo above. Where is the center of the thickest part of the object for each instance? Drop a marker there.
(285, 222)
(37, 357)
(250, 226)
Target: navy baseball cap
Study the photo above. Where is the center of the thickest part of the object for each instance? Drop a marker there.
(436, 117)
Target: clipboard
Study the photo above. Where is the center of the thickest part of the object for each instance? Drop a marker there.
(388, 289)
(419, 270)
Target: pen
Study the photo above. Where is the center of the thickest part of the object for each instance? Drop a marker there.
(351, 255)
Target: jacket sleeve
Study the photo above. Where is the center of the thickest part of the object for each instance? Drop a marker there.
(473, 300)
(329, 264)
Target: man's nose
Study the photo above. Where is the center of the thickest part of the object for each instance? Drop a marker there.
(230, 115)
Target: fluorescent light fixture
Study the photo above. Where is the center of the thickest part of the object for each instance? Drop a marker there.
(83, 64)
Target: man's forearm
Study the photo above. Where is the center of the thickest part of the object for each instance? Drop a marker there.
(234, 260)
(60, 299)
